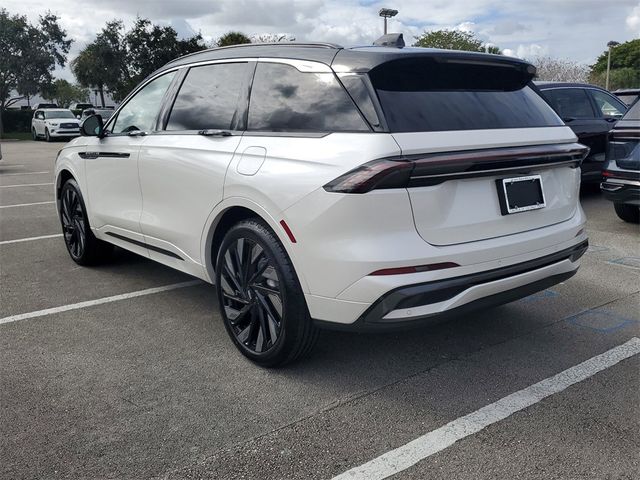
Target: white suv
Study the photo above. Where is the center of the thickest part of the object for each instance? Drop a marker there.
(50, 123)
(361, 188)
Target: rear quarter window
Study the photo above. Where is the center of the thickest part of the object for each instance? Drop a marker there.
(283, 99)
(419, 95)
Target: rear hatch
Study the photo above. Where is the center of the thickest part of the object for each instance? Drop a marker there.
(469, 125)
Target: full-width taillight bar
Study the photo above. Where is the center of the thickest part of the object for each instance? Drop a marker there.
(432, 169)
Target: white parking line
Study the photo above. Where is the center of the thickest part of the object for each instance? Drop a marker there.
(29, 239)
(17, 173)
(25, 185)
(408, 455)
(26, 204)
(98, 301)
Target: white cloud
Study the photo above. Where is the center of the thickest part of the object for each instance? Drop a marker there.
(633, 20)
(558, 28)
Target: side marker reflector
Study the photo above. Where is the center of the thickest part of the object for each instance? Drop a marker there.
(416, 269)
(288, 231)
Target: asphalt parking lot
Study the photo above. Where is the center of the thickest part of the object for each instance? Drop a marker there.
(140, 383)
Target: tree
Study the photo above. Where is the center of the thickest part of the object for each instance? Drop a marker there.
(30, 53)
(454, 40)
(65, 93)
(625, 66)
(273, 38)
(559, 70)
(232, 38)
(118, 60)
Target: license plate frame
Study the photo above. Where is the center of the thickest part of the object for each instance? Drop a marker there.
(535, 191)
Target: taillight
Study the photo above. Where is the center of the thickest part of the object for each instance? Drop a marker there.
(384, 173)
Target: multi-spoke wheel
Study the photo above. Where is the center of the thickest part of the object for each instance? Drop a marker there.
(82, 245)
(260, 298)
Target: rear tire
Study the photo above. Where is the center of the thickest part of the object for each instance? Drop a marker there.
(83, 247)
(628, 213)
(261, 301)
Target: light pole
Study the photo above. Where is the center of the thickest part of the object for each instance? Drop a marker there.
(610, 44)
(387, 13)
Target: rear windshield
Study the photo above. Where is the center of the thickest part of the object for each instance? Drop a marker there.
(423, 95)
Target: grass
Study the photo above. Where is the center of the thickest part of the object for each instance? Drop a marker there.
(16, 136)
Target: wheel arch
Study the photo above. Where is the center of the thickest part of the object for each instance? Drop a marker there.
(227, 214)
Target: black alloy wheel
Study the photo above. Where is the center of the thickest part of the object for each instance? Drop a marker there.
(260, 298)
(251, 295)
(74, 226)
(84, 248)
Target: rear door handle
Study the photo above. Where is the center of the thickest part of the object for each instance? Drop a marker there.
(214, 133)
(136, 133)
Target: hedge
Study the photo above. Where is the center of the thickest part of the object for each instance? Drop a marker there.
(20, 120)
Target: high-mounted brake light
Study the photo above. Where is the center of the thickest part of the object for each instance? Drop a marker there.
(384, 173)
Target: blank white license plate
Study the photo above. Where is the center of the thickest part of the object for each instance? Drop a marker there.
(521, 194)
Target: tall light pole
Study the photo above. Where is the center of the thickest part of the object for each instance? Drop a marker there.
(610, 44)
(387, 13)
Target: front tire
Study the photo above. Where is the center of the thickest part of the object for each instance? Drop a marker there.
(34, 135)
(47, 137)
(83, 247)
(628, 213)
(260, 298)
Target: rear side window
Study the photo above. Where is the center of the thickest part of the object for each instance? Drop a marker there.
(423, 95)
(570, 102)
(609, 106)
(208, 97)
(283, 99)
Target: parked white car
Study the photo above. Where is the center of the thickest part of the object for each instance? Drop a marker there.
(50, 123)
(321, 186)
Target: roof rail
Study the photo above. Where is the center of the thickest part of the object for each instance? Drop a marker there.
(279, 44)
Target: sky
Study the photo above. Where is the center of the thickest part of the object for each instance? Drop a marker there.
(572, 29)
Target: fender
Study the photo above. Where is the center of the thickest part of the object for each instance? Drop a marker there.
(214, 218)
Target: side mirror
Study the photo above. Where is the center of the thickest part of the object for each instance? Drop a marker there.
(92, 127)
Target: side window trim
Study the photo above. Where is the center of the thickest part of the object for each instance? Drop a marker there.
(169, 99)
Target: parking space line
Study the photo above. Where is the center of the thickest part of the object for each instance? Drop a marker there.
(433, 442)
(98, 301)
(29, 239)
(25, 185)
(27, 204)
(18, 173)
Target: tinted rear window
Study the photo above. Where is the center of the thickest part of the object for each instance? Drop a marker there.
(424, 96)
(285, 99)
(634, 112)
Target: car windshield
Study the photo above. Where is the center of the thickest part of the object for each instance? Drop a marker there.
(628, 98)
(59, 114)
(104, 113)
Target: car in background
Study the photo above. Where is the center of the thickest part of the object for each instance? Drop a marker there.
(591, 112)
(46, 105)
(621, 174)
(105, 113)
(80, 106)
(628, 95)
(50, 123)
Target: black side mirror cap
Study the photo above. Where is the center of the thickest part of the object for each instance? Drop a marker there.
(92, 126)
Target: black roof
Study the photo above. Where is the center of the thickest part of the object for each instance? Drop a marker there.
(349, 59)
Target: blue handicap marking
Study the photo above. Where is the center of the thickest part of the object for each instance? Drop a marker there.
(603, 321)
(539, 296)
(633, 262)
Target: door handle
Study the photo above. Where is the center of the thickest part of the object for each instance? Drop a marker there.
(137, 133)
(214, 133)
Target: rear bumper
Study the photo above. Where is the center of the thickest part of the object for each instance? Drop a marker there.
(619, 192)
(431, 302)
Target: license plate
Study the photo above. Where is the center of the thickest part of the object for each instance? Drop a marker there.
(520, 194)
